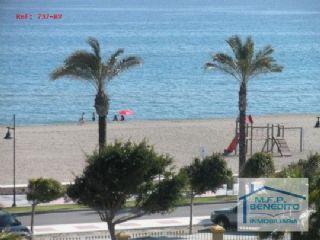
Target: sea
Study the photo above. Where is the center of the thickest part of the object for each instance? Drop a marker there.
(175, 38)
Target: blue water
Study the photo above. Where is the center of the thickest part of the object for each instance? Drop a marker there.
(175, 39)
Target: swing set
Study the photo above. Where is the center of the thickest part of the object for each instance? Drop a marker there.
(273, 136)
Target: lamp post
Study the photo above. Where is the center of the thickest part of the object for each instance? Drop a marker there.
(8, 136)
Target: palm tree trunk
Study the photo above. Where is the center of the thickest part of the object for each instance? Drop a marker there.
(102, 132)
(242, 126)
(111, 229)
(101, 104)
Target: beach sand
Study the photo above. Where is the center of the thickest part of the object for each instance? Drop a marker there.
(59, 151)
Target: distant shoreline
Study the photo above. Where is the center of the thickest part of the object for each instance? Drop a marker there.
(160, 120)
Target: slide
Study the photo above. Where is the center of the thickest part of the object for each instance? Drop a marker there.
(232, 146)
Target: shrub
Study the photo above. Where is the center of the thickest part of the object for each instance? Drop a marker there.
(310, 169)
(42, 190)
(10, 236)
(259, 165)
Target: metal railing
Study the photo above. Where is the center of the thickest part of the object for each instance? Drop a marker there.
(172, 233)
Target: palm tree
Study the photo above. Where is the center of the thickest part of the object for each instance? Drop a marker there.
(89, 66)
(243, 66)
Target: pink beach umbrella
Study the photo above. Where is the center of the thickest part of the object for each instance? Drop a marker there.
(126, 112)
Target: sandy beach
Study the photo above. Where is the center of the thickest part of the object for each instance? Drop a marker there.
(59, 151)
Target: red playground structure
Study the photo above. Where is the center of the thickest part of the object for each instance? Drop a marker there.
(233, 145)
(269, 137)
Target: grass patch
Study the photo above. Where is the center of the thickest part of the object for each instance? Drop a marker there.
(77, 207)
(48, 208)
(209, 199)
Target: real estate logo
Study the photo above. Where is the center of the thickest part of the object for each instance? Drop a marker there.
(273, 204)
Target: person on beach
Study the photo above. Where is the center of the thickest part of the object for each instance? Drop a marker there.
(81, 120)
(122, 118)
(115, 118)
(93, 116)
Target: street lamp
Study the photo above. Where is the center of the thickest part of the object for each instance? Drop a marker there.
(8, 136)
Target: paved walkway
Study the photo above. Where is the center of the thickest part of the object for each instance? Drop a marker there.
(132, 224)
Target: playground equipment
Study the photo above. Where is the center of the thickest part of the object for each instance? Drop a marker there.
(234, 143)
(272, 135)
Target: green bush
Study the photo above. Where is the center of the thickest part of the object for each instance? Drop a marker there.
(207, 174)
(10, 236)
(259, 165)
(310, 169)
(43, 190)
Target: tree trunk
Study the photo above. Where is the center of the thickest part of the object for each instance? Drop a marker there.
(33, 208)
(191, 212)
(101, 105)
(242, 126)
(111, 228)
(102, 132)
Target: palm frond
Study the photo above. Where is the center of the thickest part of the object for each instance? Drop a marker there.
(236, 45)
(223, 58)
(80, 65)
(222, 68)
(75, 73)
(266, 51)
(248, 50)
(209, 65)
(95, 46)
(114, 57)
(265, 68)
(122, 65)
(69, 72)
(276, 68)
(263, 62)
(83, 59)
(129, 62)
(223, 63)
